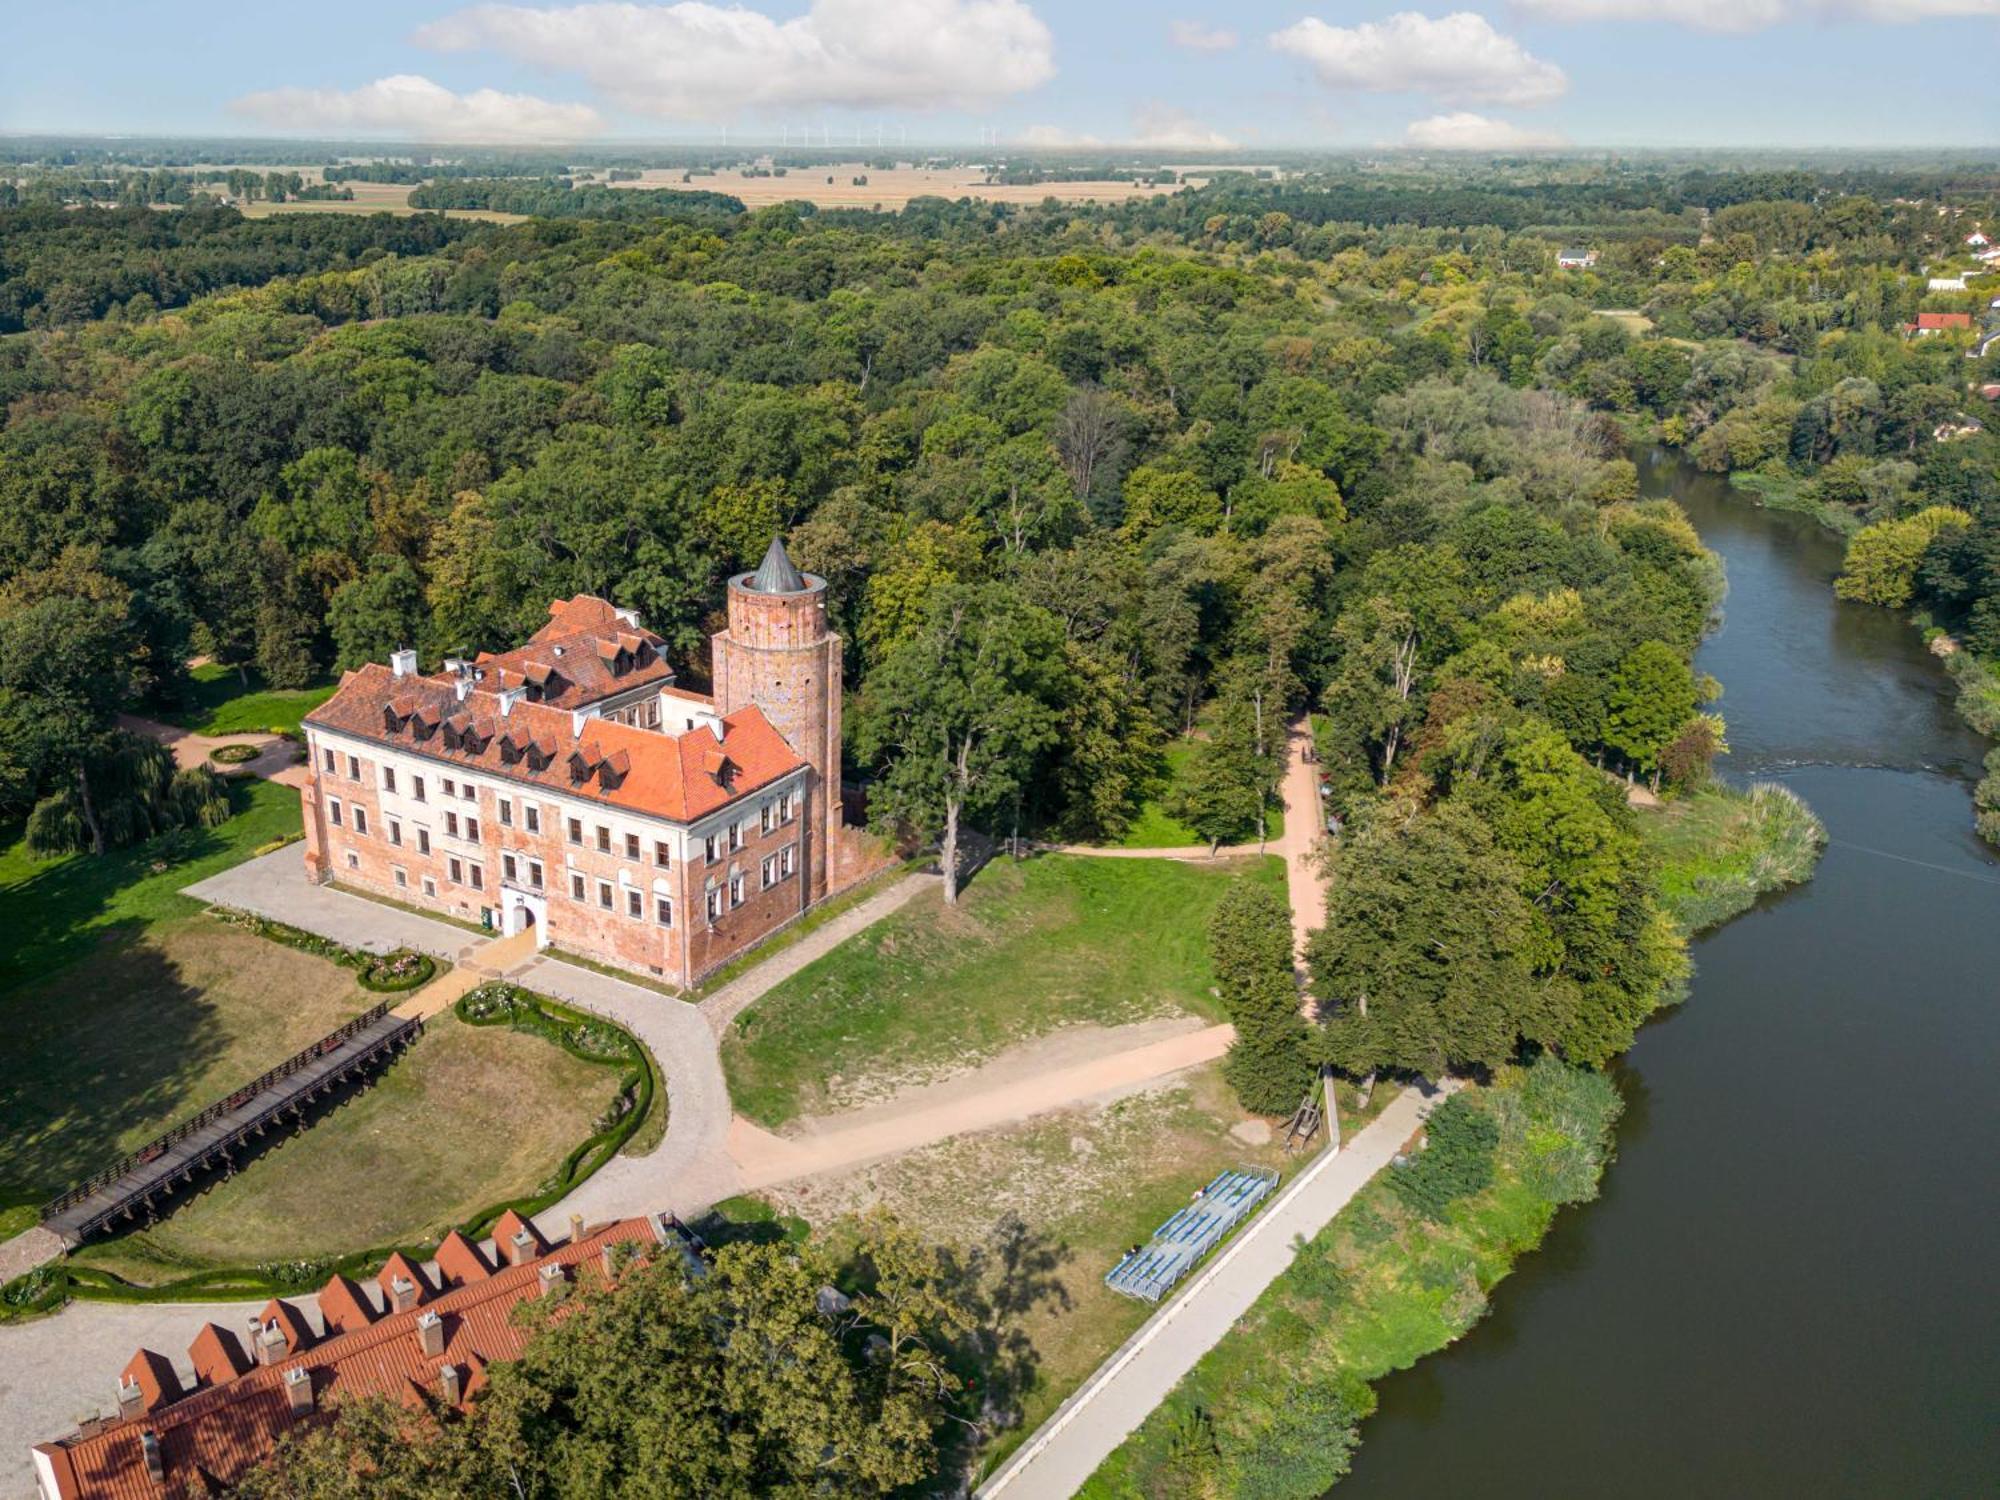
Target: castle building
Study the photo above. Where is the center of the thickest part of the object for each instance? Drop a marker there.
(569, 785)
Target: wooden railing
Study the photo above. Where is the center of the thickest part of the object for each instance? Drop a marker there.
(154, 1149)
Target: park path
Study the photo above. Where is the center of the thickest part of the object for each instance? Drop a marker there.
(277, 758)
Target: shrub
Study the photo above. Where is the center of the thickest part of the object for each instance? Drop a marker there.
(395, 972)
(1457, 1162)
(1305, 1444)
(233, 755)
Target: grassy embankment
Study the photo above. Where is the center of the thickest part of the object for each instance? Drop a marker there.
(1720, 848)
(1032, 947)
(1273, 1410)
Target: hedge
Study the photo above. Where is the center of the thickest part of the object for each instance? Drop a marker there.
(384, 973)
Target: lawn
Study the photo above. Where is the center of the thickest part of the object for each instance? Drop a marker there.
(1155, 828)
(1720, 848)
(58, 910)
(222, 703)
(151, 1027)
(1034, 946)
(468, 1117)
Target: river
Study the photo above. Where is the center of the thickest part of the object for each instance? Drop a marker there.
(1787, 1287)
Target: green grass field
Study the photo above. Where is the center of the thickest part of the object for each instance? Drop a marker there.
(1155, 828)
(58, 910)
(1033, 946)
(224, 704)
(468, 1117)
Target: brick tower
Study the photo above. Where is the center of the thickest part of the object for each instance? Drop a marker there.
(779, 654)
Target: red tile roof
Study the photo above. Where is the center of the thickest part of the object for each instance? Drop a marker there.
(1931, 321)
(210, 1438)
(587, 651)
(650, 771)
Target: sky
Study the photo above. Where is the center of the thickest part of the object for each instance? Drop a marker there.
(1338, 76)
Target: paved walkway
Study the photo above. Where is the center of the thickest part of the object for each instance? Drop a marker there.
(1086, 1429)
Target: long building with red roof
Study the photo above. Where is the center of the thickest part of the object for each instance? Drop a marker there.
(570, 785)
(412, 1335)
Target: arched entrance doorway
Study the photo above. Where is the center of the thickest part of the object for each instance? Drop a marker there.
(522, 910)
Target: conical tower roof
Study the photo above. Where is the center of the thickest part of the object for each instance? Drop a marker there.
(776, 574)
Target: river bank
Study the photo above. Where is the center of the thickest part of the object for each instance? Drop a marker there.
(1783, 1288)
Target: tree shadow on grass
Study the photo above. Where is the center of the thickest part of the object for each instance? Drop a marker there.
(106, 1047)
(1006, 1280)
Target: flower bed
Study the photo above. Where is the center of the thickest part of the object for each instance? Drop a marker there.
(392, 973)
(234, 755)
(384, 973)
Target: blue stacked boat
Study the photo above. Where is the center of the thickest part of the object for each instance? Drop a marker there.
(1151, 1271)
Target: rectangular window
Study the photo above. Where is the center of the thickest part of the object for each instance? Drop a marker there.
(604, 894)
(535, 873)
(353, 860)
(715, 903)
(735, 836)
(423, 841)
(478, 877)
(663, 854)
(712, 847)
(333, 811)
(416, 788)
(456, 870)
(575, 886)
(631, 846)
(395, 833)
(402, 877)
(451, 824)
(534, 815)
(663, 911)
(635, 903)
(576, 830)
(430, 886)
(603, 839)
(770, 871)
(360, 819)
(507, 867)
(388, 778)
(469, 792)
(506, 806)
(326, 760)
(472, 829)
(736, 890)
(767, 816)
(353, 769)
(788, 859)
(450, 786)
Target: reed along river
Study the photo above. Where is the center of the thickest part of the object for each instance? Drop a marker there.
(1791, 1285)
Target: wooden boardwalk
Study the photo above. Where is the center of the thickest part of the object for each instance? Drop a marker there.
(136, 1186)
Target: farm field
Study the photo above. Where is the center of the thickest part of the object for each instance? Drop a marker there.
(1035, 946)
(468, 1117)
(886, 189)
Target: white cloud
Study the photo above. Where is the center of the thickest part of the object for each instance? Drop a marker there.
(1157, 124)
(1754, 15)
(1465, 131)
(696, 60)
(1197, 36)
(416, 108)
(1459, 58)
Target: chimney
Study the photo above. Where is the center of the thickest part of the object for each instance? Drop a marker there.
(576, 1229)
(402, 1294)
(131, 1400)
(521, 1248)
(270, 1343)
(448, 1384)
(430, 1333)
(156, 1465)
(403, 663)
(553, 1283)
(299, 1390)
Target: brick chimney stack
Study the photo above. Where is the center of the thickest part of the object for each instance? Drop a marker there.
(299, 1390)
(430, 1333)
(131, 1399)
(449, 1385)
